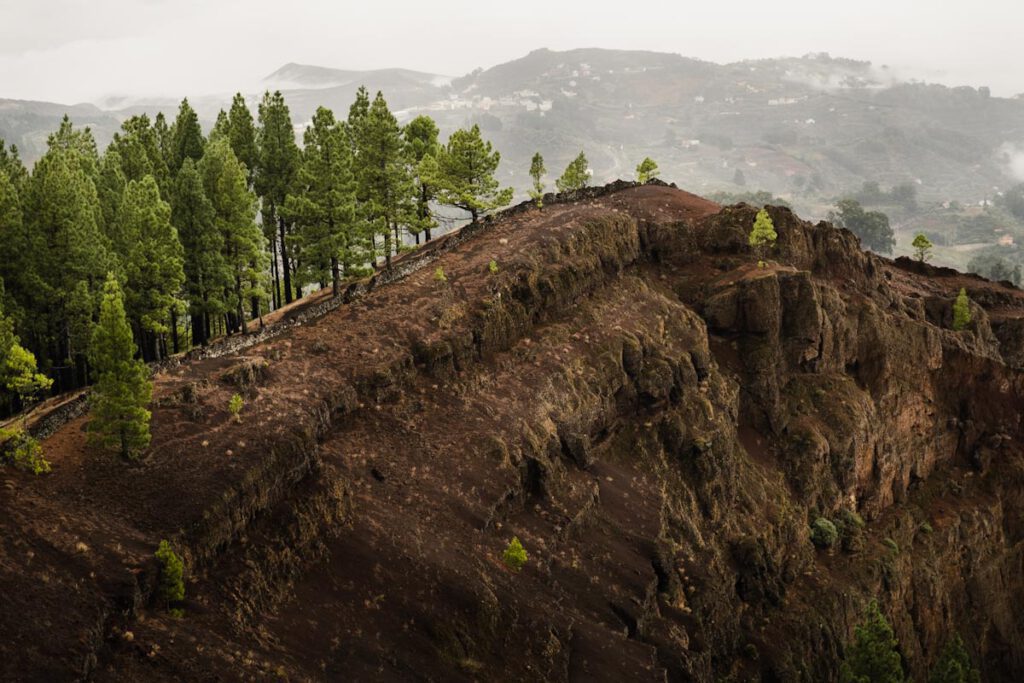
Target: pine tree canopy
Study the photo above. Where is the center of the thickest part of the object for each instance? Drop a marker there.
(576, 176)
(646, 170)
(278, 154)
(464, 176)
(186, 137)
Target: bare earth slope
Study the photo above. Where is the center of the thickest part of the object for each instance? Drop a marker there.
(654, 416)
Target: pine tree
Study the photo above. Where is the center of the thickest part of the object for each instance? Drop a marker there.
(206, 274)
(421, 141)
(122, 389)
(65, 249)
(646, 170)
(277, 166)
(762, 235)
(234, 207)
(873, 657)
(186, 137)
(323, 206)
(163, 138)
(576, 176)
(242, 135)
(922, 247)
(386, 183)
(954, 665)
(961, 311)
(465, 174)
(537, 172)
(152, 262)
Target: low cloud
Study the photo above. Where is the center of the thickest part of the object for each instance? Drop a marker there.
(1012, 156)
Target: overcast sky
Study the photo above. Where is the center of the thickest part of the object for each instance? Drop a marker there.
(81, 50)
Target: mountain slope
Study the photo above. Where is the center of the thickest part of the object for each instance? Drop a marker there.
(657, 418)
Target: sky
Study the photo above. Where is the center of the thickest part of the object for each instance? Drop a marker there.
(72, 51)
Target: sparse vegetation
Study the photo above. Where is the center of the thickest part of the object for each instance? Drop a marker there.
(235, 407)
(515, 556)
(873, 657)
(439, 275)
(171, 585)
(961, 311)
(492, 267)
(851, 530)
(824, 533)
(892, 545)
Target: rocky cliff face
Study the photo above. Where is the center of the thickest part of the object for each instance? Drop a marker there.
(657, 418)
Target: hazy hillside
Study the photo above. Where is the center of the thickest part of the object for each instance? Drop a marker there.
(805, 128)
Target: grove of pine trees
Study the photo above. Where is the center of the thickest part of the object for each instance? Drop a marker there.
(204, 234)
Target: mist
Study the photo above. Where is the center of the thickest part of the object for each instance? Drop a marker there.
(67, 51)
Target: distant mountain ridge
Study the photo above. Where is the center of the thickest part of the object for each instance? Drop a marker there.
(293, 76)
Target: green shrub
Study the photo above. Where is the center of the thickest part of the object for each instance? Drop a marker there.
(851, 530)
(235, 406)
(515, 554)
(439, 275)
(171, 587)
(824, 533)
(492, 266)
(23, 451)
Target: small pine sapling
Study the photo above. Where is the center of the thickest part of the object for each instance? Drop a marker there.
(439, 275)
(762, 236)
(492, 267)
(515, 556)
(171, 587)
(922, 247)
(235, 406)
(961, 311)
(646, 170)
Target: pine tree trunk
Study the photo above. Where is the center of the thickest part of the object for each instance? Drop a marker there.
(428, 234)
(387, 248)
(241, 312)
(275, 298)
(335, 277)
(174, 330)
(284, 265)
